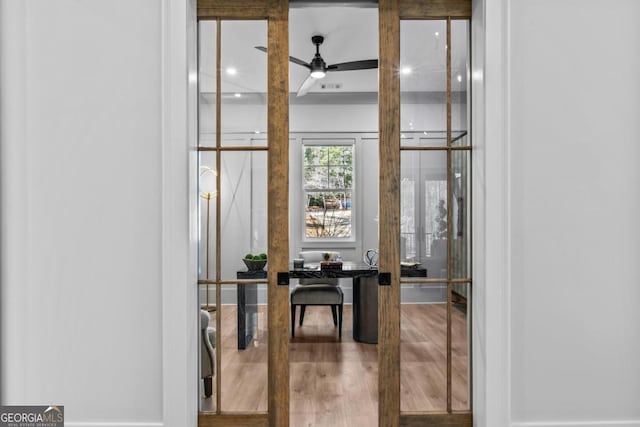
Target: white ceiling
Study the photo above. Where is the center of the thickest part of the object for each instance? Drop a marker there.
(351, 34)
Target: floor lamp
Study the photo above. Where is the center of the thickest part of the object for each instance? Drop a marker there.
(208, 191)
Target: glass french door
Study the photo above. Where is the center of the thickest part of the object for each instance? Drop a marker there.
(242, 162)
(423, 213)
(425, 322)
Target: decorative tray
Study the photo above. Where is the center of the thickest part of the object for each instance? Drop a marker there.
(331, 265)
(409, 264)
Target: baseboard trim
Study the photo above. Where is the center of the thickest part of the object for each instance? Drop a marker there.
(626, 423)
(114, 424)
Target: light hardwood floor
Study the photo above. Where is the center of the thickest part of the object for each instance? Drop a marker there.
(335, 383)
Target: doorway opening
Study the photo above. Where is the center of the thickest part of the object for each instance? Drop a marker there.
(333, 123)
(342, 154)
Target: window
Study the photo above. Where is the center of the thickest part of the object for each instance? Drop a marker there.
(328, 191)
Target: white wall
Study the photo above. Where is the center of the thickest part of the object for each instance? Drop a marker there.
(556, 341)
(575, 102)
(83, 205)
(245, 117)
(558, 94)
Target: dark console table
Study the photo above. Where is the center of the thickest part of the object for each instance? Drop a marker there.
(365, 293)
(247, 300)
(365, 297)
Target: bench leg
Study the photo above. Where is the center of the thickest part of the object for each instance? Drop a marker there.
(302, 309)
(340, 321)
(335, 315)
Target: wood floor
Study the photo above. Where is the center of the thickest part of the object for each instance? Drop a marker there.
(335, 382)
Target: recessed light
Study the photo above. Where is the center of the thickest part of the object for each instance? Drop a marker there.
(459, 78)
(406, 70)
(237, 95)
(437, 34)
(231, 71)
(257, 132)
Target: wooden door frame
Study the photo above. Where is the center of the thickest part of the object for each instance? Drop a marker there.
(389, 243)
(390, 14)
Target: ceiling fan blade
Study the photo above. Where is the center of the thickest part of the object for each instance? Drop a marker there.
(291, 58)
(354, 65)
(299, 62)
(306, 85)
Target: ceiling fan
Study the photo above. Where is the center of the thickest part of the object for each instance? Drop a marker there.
(318, 68)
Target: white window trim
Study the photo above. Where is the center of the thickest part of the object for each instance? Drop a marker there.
(328, 139)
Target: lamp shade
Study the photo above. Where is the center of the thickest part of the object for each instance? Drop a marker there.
(207, 182)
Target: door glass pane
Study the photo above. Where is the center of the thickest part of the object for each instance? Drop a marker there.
(208, 172)
(239, 233)
(423, 347)
(243, 71)
(207, 39)
(460, 346)
(243, 367)
(208, 366)
(243, 210)
(423, 83)
(460, 220)
(460, 75)
(423, 213)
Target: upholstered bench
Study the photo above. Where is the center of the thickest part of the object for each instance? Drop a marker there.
(317, 291)
(317, 294)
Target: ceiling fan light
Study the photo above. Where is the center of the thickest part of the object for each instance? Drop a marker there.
(318, 67)
(318, 74)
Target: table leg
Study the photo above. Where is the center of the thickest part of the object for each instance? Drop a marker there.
(365, 309)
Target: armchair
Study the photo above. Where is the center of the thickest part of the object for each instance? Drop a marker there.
(207, 352)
